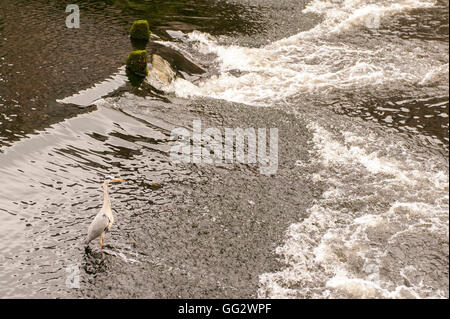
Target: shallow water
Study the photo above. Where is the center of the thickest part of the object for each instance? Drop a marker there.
(358, 208)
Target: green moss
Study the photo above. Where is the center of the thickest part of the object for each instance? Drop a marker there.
(137, 62)
(140, 30)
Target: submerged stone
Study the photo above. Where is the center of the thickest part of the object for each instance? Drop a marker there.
(179, 63)
(137, 62)
(140, 30)
(161, 73)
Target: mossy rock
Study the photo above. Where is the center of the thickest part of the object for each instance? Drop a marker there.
(134, 79)
(140, 30)
(137, 62)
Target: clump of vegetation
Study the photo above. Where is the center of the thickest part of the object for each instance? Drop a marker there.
(140, 30)
(137, 62)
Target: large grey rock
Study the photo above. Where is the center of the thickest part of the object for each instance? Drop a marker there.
(161, 73)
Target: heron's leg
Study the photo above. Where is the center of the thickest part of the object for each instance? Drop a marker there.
(102, 240)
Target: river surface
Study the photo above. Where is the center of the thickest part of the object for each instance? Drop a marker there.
(358, 207)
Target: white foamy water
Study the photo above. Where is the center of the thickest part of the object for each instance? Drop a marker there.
(314, 61)
(380, 229)
(341, 16)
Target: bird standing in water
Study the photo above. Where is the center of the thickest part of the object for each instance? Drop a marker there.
(104, 219)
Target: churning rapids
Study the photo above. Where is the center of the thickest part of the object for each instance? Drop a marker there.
(359, 208)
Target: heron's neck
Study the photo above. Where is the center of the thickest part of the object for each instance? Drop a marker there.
(106, 202)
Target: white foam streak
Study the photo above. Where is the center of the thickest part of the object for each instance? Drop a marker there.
(341, 16)
(436, 75)
(342, 245)
(384, 207)
(309, 62)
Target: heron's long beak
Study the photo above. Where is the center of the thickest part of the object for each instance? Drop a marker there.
(117, 180)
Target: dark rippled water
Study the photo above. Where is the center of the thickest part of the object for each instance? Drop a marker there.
(363, 160)
(42, 60)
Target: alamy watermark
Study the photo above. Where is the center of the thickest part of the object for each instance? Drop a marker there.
(73, 19)
(73, 278)
(212, 146)
(372, 21)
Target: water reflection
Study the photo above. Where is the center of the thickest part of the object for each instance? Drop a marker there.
(53, 187)
(138, 44)
(215, 17)
(135, 79)
(46, 61)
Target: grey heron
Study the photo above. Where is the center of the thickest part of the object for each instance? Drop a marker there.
(104, 218)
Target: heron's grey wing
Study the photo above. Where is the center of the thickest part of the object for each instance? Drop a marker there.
(97, 227)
